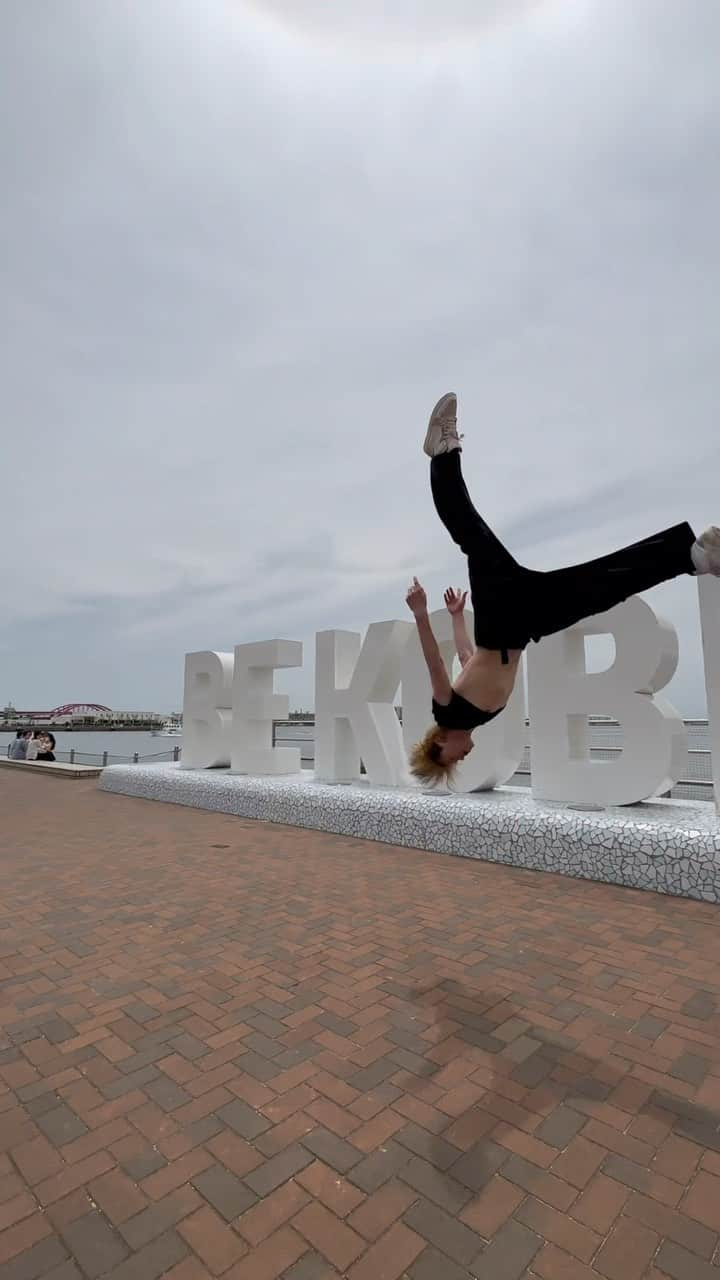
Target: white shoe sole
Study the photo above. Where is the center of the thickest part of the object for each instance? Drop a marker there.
(705, 552)
(710, 539)
(434, 432)
(712, 560)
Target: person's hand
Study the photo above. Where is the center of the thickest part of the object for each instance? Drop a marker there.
(455, 600)
(416, 598)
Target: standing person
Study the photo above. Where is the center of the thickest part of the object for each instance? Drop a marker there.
(46, 747)
(18, 748)
(514, 605)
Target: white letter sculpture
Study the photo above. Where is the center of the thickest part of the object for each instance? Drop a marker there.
(709, 596)
(355, 718)
(499, 745)
(562, 694)
(207, 714)
(256, 705)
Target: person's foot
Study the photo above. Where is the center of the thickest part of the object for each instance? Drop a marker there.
(442, 435)
(705, 552)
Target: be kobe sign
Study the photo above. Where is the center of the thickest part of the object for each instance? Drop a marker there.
(230, 704)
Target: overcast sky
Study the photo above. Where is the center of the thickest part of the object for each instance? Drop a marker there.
(245, 247)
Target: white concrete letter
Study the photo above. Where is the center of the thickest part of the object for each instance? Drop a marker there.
(499, 745)
(355, 718)
(562, 694)
(709, 597)
(207, 717)
(255, 706)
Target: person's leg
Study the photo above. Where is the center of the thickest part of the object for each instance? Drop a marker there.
(565, 596)
(457, 512)
(452, 500)
(493, 571)
(497, 589)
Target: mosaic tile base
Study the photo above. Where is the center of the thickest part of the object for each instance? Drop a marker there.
(670, 846)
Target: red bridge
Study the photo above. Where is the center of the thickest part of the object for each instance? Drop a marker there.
(69, 709)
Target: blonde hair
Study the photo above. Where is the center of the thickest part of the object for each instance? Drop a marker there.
(425, 762)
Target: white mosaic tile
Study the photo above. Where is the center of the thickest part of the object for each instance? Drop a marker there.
(669, 846)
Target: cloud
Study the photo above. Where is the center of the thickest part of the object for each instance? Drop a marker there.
(408, 24)
(249, 246)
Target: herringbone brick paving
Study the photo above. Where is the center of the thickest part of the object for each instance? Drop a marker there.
(234, 1049)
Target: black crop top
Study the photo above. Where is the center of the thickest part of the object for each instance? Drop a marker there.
(458, 713)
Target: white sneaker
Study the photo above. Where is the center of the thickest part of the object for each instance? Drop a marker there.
(442, 435)
(705, 552)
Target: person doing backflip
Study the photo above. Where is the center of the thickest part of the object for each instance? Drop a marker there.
(513, 605)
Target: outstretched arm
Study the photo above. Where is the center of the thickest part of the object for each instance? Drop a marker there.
(417, 603)
(455, 604)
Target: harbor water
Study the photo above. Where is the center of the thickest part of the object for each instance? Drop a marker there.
(606, 739)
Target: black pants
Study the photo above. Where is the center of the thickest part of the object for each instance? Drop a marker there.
(512, 604)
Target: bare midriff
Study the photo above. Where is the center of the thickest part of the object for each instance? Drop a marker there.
(486, 681)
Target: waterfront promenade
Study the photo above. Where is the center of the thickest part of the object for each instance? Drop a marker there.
(241, 1050)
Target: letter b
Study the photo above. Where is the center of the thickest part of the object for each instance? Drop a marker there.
(562, 694)
(207, 715)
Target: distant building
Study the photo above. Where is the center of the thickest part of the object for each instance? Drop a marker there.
(135, 716)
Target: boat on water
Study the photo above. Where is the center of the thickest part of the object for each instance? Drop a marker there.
(168, 729)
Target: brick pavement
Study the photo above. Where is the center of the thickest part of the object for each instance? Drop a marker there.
(239, 1050)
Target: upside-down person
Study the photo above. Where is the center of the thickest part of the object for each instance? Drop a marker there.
(514, 605)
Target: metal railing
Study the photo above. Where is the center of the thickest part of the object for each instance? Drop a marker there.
(102, 759)
(695, 788)
(306, 759)
(699, 786)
